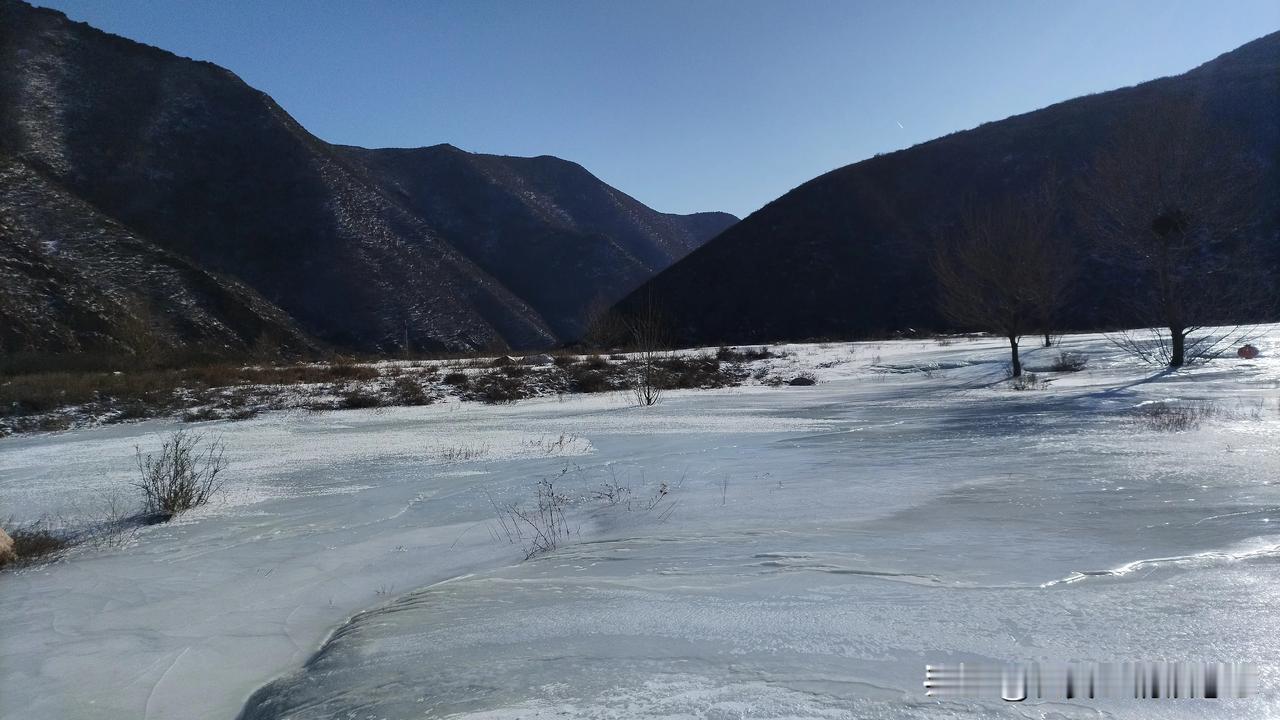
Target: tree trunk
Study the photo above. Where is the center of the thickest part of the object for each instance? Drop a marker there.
(1178, 337)
(1048, 339)
(1016, 364)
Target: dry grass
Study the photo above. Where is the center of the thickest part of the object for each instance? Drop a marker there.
(36, 543)
(1027, 381)
(219, 392)
(734, 354)
(463, 453)
(539, 527)
(1184, 415)
(149, 393)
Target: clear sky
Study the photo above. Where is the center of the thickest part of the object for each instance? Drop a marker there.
(687, 105)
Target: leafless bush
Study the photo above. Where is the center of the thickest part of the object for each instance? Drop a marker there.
(1070, 362)
(408, 390)
(500, 387)
(1026, 381)
(645, 385)
(181, 476)
(803, 379)
(459, 379)
(357, 398)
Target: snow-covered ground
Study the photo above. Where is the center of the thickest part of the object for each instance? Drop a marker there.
(786, 552)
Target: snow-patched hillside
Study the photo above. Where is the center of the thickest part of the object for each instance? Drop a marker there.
(760, 552)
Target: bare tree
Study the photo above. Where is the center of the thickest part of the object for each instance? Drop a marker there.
(993, 271)
(1171, 201)
(649, 340)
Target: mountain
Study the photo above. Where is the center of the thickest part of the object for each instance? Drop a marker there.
(578, 243)
(847, 253)
(142, 190)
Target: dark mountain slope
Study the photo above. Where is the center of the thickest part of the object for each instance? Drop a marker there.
(524, 220)
(846, 254)
(200, 166)
(72, 280)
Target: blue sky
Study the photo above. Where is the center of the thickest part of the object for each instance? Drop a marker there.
(687, 105)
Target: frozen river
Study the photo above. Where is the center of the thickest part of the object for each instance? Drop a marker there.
(795, 552)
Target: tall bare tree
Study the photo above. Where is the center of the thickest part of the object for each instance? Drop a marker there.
(1170, 197)
(1000, 271)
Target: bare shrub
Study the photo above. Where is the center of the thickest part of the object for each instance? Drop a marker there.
(203, 414)
(584, 378)
(1070, 362)
(500, 387)
(181, 476)
(457, 379)
(407, 390)
(1027, 381)
(649, 339)
(685, 372)
(358, 398)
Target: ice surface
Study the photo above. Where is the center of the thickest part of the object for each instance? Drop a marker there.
(816, 546)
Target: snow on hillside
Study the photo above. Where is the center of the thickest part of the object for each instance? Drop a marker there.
(764, 552)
